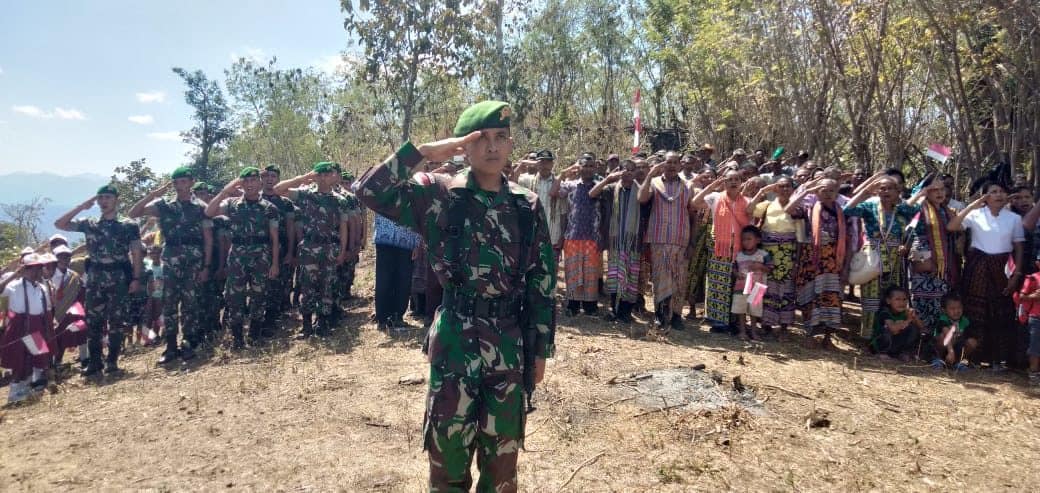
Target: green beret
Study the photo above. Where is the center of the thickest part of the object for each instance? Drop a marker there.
(273, 168)
(182, 172)
(249, 171)
(109, 189)
(324, 167)
(485, 114)
(347, 175)
(200, 185)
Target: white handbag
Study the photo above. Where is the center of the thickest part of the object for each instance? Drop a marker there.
(865, 265)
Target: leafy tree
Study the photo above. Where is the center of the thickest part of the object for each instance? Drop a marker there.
(25, 220)
(133, 180)
(211, 116)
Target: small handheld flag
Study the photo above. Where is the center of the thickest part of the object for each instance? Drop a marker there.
(35, 344)
(938, 152)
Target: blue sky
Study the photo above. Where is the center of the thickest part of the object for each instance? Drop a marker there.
(86, 86)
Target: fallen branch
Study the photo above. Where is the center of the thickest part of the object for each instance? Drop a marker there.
(604, 408)
(575, 471)
(673, 406)
(378, 425)
(789, 391)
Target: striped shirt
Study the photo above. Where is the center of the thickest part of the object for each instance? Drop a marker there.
(542, 186)
(670, 216)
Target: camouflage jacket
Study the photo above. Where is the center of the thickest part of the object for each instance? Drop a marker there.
(286, 211)
(182, 223)
(490, 231)
(320, 214)
(249, 222)
(108, 240)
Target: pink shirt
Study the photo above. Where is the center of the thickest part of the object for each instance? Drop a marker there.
(670, 216)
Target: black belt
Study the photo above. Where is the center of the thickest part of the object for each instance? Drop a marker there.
(250, 240)
(110, 266)
(183, 242)
(476, 306)
(321, 239)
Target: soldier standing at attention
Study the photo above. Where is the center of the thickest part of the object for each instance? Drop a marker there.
(114, 269)
(253, 224)
(322, 245)
(488, 243)
(186, 258)
(278, 289)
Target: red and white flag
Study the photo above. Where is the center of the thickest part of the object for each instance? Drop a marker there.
(938, 152)
(35, 344)
(637, 124)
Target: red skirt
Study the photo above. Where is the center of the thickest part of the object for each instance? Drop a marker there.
(14, 354)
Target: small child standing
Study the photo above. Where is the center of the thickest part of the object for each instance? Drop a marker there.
(954, 341)
(1028, 299)
(755, 261)
(897, 328)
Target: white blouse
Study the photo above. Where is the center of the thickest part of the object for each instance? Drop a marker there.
(994, 234)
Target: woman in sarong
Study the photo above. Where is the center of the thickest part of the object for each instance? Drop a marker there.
(727, 206)
(934, 262)
(779, 238)
(996, 235)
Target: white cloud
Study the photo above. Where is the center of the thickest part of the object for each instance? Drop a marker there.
(249, 53)
(335, 64)
(69, 114)
(142, 119)
(168, 136)
(151, 97)
(30, 110)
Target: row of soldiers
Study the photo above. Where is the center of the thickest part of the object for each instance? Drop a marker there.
(254, 233)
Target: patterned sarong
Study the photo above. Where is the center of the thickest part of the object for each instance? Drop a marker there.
(582, 267)
(669, 276)
(780, 297)
(623, 274)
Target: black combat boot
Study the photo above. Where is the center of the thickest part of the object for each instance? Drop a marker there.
(307, 330)
(255, 331)
(188, 349)
(322, 327)
(115, 346)
(171, 353)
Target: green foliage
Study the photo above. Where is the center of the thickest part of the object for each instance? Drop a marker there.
(211, 131)
(133, 180)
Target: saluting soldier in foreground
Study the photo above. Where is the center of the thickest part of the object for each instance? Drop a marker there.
(488, 243)
(114, 271)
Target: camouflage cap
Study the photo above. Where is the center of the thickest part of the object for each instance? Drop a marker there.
(182, 172)
(324, 167)
(273, 168)
(109, 189)
(347, 175)
(249, 172)
(485, 114)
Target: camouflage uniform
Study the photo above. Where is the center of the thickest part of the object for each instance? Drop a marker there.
(248, 262)
(345, 272)
(211, 295)
(278, 289)
(108, 243)
(319, 217)
(181, 224)
(476, 246)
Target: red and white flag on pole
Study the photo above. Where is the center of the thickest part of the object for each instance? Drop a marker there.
(938, 152)
(637, 124)
(35, 344)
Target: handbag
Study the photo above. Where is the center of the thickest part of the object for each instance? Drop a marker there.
(865, 265)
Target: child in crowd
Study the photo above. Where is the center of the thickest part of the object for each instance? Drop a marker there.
(1028, 300)
(897, 328)
(755, 261)
(153, 270)
(954, 342)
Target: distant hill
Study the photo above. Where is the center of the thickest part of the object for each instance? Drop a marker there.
(64, 192)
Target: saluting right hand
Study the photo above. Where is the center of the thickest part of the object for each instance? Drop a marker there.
(445, 149)
(88, 203)
(979, 202)
(615, 176)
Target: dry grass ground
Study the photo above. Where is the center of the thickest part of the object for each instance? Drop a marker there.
(332, 415)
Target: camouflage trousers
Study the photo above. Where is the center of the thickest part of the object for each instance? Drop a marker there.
(317, 277)
(210, 300)
(107, 304)
(277, 291)
(475, 403)
(346, 278)
(246, 278)
(181, 292)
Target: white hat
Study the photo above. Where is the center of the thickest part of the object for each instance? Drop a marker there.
(32, 259)
(58, 237)
(47, 258)
(60, 249)
(26, 251)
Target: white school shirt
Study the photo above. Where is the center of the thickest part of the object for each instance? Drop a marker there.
(14, 293)
(994, 234)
